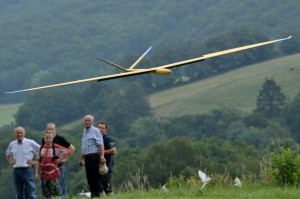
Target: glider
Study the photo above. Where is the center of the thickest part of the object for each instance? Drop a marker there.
(164, 69)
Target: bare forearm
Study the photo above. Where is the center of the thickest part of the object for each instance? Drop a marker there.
(10, 160)
(102, 150)
(111, 151)
(72, 149)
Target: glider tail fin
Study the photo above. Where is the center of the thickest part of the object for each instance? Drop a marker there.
(131, 67)
(139, 59)
(115, 65)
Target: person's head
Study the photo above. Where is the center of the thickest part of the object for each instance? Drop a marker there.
(48, 138)
(102, 126)
(51, 128)
(20, 133)
(88, 121)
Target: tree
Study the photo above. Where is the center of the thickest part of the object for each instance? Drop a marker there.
(286, 167)
(123, 107)
(176, 156)
(291, 115)
(270, 99)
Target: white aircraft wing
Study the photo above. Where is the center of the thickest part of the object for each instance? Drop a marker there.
(142, 71)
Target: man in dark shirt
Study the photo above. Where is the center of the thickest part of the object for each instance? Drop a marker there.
(110, 149)
(60, 140)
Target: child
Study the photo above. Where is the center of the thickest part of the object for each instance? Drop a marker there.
(47, 165)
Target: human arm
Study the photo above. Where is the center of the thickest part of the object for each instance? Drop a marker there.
(62, 153)
(31, 162)
(9, 155)
(37, 170)
(102, 159)
(71, 149)
(10, 159)
(81, 160)
(110, 146)
(111, 151)
(62, 158)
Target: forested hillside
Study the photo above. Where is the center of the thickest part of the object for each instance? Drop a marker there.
(43, 42)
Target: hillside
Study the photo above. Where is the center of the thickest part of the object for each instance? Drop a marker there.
(6, 113)
(48, 42)
(235, 89)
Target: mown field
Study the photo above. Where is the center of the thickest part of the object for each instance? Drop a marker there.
(248, 192)
(6, 113)
(236, 89)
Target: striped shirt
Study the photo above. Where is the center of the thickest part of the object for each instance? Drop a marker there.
(91, 141)
(22, 152)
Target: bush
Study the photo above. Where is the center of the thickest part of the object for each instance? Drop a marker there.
(286, 169)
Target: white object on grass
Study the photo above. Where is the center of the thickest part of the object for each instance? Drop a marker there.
(85, 194)
(164, 188)
(237, 182)
(204, 178)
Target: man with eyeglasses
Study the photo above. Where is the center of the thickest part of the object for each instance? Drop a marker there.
(92, 154)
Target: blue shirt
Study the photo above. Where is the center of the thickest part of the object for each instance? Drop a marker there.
(22, 152)
(91, 141)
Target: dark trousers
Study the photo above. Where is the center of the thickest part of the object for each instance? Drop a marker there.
(92, 174)
(106, 184)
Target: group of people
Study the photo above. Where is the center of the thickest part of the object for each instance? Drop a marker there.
(48, 160)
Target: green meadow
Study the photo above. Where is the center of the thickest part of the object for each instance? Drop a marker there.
(6, 113)
(249, 192)
(235, 89)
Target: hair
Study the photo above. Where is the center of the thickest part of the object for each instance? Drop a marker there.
(89, 116)
(50, 123)
(47, 132)
(20, 128)
(104, 123)
(53, 149)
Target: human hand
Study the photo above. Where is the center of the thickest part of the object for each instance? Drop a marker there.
(31, 162)
(102, 160)
(80, 163)
(12, 162)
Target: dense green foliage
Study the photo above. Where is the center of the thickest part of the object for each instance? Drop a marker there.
(286, 167)
(57, 41)
(121, 107)
(292, 116)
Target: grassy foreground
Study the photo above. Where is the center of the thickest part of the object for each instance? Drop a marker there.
(249, 192)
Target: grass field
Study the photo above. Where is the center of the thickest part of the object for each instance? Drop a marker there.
(6, 113)
(251, 192)
(236, 89)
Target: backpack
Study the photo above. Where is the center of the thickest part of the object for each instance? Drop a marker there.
(54, 155)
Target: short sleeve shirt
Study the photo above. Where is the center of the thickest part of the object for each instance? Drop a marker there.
(91, 140)
(22, 152)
